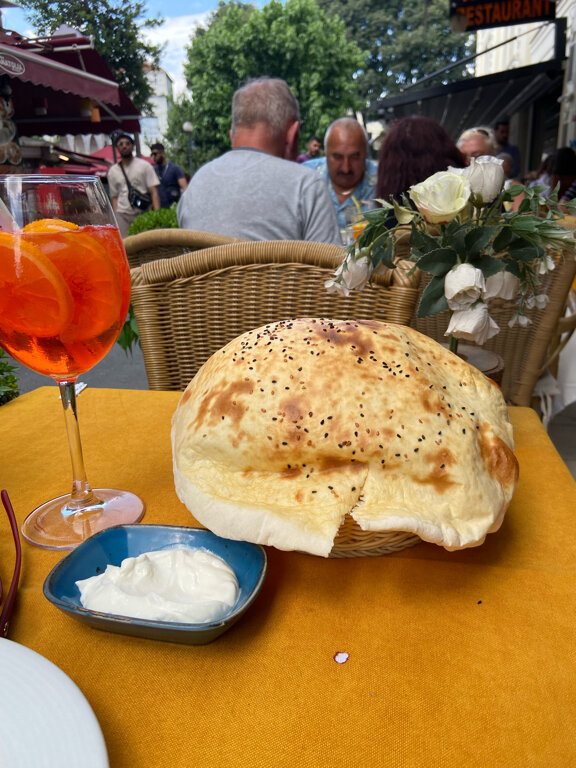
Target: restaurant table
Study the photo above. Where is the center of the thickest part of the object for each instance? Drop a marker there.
(461, 658)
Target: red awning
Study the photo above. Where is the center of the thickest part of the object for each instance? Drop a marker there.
(63, 86)
(40, 70)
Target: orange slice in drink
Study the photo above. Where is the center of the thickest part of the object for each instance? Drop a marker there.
(34, 297)
(49, 225)
(90, 275)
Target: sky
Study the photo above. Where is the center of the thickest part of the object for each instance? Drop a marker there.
(180, 19)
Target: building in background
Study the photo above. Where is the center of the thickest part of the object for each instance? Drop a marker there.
(51, 87)
(551, 124)
(525, 73)
(154, 127)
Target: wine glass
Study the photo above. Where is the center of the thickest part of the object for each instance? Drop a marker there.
(64, 296)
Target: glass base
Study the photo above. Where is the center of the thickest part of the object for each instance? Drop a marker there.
(51, 528)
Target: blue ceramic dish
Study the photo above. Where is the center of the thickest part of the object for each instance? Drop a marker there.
(115, 544)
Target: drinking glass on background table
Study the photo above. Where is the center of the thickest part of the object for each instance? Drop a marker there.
(64, 296)
(355, 223)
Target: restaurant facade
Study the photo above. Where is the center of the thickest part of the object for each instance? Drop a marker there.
(524, 73)
(52, 87)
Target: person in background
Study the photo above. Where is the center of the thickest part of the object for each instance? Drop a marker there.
(256, 191)
(140, 175)
(543, 173)
(507, 167)
(477, 142)
(413, 149)
(171, 177)
(569, 195)
(501, 134)
(348, 172)
(562, 170)
(313, 146)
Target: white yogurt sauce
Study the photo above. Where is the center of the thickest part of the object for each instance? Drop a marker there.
(190, 586)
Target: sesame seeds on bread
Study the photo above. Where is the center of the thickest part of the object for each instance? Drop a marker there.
(291, 426)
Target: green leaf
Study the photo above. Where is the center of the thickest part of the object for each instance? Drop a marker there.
(438, 262)
(403, 215)
(433, 299)
(129, 335)
(476, 240)
(522, 250)
(457, 240)
(521, 225)
(503, 239)
(423, 241)
(512, 266)
(378, 215)
(489, 265)
(383, 253)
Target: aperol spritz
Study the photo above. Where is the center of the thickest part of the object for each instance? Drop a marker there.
(64, 296)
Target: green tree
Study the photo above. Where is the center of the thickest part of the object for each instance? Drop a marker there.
(179, 143)
(403, 42)
(115, 25)
(295, 41)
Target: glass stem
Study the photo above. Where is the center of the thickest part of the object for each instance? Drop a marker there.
(82, 495)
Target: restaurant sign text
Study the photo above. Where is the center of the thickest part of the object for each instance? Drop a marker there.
(467, 15)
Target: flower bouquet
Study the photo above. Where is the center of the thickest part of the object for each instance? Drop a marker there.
(478, 240)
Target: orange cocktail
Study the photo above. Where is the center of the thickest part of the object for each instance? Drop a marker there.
(64, 295)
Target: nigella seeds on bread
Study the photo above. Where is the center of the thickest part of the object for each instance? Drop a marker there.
(291, 426)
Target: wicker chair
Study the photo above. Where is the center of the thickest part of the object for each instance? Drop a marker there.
(166, 243)
(190, 306)
(526, 352)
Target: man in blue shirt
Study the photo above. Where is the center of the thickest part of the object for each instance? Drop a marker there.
(348, 172)
(171, 177)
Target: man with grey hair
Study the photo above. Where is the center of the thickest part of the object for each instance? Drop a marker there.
(477, 142)
(255, 191)
(347, 171)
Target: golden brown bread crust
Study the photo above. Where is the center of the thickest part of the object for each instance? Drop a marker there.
(291, 426)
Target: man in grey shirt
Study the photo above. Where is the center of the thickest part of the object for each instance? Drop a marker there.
(256, 191)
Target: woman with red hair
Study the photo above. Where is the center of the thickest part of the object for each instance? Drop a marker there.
(414, 148)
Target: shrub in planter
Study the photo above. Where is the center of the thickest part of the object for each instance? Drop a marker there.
(165, 218)
(8, 382)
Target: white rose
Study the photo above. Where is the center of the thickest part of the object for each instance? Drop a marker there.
(474, 324)
(463, 286)
(349, 276)
(486, 177)
(441, 197)
(502, 285)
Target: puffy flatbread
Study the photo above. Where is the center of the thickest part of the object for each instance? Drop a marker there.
(293, 425)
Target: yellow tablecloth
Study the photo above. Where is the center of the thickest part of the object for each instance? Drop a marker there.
(455, 659)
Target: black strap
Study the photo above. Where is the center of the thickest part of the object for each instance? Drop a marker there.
(126, 177)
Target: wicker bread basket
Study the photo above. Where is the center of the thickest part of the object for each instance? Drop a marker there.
(352, 541)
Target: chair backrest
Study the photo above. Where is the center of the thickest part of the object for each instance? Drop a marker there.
(525, 351)
(167, 243)
(190, 306)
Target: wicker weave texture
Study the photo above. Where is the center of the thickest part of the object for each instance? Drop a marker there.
(167, 243)
(352, 541)
(190, 306)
